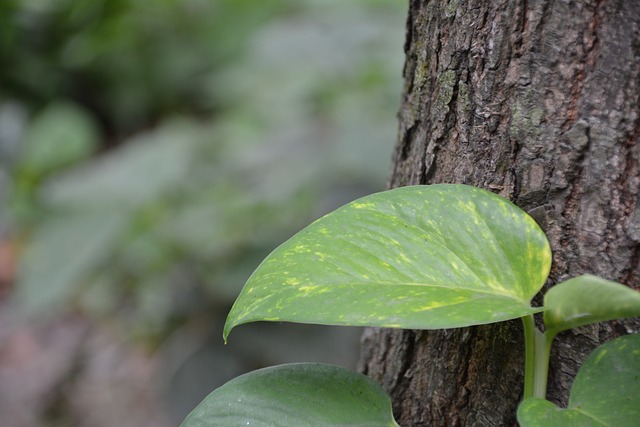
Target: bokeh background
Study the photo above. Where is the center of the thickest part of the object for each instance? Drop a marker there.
(151, 154)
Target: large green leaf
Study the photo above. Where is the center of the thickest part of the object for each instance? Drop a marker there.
(421, 257)
(304, 394)
(606, 391)
(147, 167)
(61, 256)
(588, 299)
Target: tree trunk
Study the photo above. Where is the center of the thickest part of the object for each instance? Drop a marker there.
(536, 100)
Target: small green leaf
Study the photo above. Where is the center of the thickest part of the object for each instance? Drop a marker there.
(421, 257)
(606, 391)
(303, 394)
(63, 133)
(588, 299)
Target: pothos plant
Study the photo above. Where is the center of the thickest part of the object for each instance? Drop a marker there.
(424, 257)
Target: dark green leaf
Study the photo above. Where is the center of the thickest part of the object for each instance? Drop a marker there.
(305, 394)
(421, 257)
(606, 391)
(588, 299)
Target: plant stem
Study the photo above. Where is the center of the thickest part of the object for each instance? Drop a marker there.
(543, 350)
(536, 366)
(530, 355)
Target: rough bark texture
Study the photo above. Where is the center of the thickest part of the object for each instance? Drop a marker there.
(538, 101)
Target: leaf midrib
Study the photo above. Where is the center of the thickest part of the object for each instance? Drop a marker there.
(491, 291)
(589, 415)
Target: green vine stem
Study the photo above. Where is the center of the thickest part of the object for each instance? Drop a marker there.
(537, 351)
(543, 350)
(530, 355)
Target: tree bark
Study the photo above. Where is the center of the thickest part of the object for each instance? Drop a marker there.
(536, 100)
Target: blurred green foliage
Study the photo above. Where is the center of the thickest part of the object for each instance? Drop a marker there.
(159, 151)
(128, 61)
(152, 153)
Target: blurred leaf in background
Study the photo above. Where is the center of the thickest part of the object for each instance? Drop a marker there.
(152, 156)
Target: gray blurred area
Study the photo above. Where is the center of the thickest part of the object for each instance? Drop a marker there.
(150, 157)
